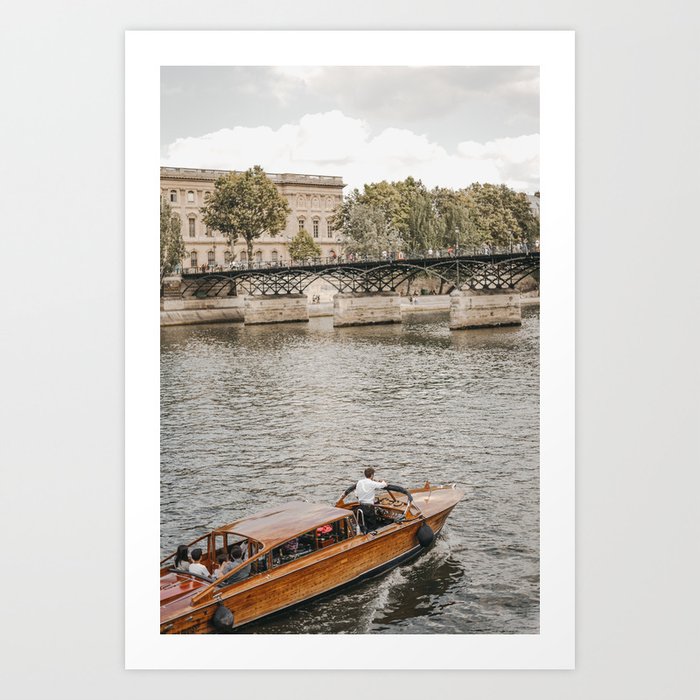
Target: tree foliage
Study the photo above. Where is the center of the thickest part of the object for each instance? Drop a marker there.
(406, 216)
(172, 247)
(503, 216)
(368, 232)
(456, 219)
(245, 205)
(303, 246)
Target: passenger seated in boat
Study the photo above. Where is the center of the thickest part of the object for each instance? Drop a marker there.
(182, 559)
(237, 557)
(196, 567)
(225, 565)
(364, 490)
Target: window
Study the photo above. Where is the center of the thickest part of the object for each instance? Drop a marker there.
(191, 226)
(193, 258)
(227, 257)
(244, 256)
(190, 196)
(294, 548)
(173, 195)
(315, 203)
(318, 538)
(315, 228)
(273, 256)
(329, 233)
(301, 202)
(258, 256)
(207, 195)
(329, 203)
(301, 224)
(210, 257)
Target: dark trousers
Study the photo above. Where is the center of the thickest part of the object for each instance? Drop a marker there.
(370, 516)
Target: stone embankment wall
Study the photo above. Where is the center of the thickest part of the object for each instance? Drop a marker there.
(183, 312)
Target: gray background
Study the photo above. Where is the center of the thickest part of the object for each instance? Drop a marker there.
(61, 341)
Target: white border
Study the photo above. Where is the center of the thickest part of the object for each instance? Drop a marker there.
(553, 648)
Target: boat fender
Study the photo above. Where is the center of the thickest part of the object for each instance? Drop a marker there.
(223, 619)
(425, 535)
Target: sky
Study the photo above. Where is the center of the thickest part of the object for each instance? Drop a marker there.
(447, 126)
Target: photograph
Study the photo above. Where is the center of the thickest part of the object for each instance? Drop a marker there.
(349, 385)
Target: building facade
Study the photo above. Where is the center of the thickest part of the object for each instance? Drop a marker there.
(313, 199)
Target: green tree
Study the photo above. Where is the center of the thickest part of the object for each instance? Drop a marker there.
(303, 246)
(493, 217)
(386, 197)
(528, 223)
(367, 232)
(246, 205)
(455, 218)
(172, 247)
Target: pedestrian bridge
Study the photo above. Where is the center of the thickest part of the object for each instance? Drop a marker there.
(476, 272)
(482, 288)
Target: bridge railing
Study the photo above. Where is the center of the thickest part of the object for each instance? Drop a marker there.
(392, 256)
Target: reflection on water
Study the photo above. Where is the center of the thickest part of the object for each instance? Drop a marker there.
(251, 416)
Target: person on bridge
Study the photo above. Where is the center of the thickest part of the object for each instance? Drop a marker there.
(364, 490)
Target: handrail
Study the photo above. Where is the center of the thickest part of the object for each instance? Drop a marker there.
(348, 258)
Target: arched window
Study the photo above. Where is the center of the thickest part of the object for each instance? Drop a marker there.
(210, 258)
(315, 228)
(207, 195)
(258, 256)
(193, 258)
(329, 203)
(190, 196)
(315, 203)
(173, 195)
(244, 256)
(227, 256)
(301, 223)
(301, 202)
(190, 223)
(273, 256)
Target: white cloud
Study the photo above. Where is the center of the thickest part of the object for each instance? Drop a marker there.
(331, 143)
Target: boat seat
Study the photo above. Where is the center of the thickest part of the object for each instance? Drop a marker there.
(208, 579)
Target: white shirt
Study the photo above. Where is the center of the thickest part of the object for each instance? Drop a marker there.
(365, 489)
(197, 568)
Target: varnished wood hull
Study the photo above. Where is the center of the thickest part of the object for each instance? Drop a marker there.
(318, 574)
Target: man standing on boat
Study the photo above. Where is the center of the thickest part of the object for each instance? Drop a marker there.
(364, 490)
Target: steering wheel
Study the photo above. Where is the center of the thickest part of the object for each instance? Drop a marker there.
(393, 498)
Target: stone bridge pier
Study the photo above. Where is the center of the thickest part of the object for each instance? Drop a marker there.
(275, 308)
(363, 309)
(484, 308)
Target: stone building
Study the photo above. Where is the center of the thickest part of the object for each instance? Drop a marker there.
(312, 199)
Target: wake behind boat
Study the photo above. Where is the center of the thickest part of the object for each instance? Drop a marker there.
(297, 551)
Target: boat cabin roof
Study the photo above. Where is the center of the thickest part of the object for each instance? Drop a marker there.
(281, 523)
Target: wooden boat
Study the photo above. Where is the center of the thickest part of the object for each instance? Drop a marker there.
(296, 552)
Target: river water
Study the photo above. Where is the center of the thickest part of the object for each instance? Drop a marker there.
(252, 416)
